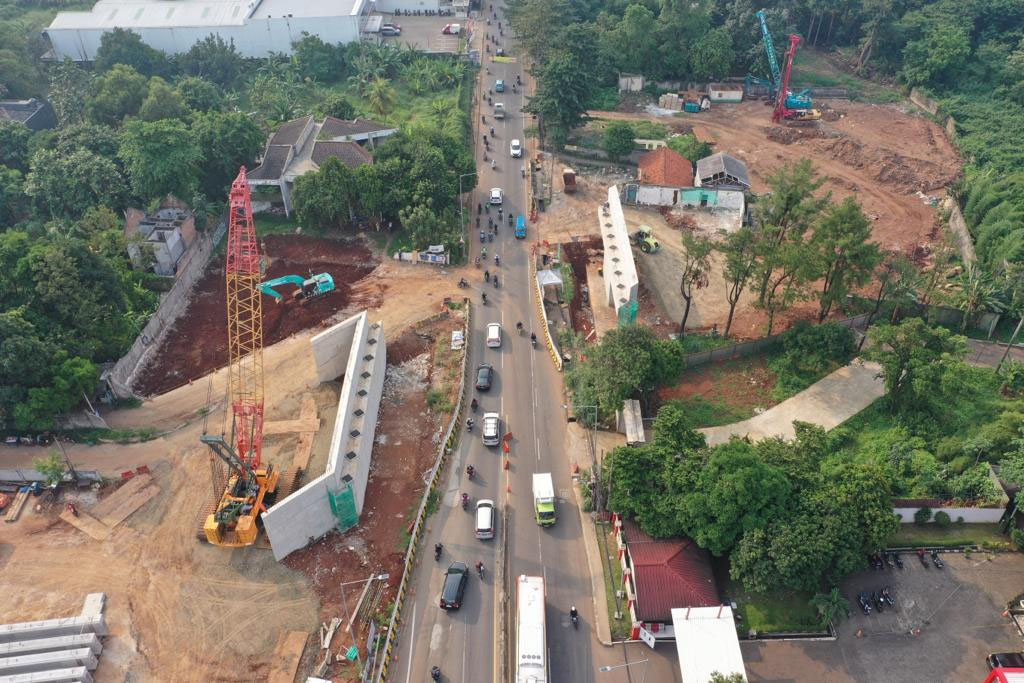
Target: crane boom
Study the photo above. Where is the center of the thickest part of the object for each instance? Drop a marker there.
(769, 48)
(245, 326)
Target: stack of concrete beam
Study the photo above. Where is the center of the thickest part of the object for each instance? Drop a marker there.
(54, 650)
(671, 100)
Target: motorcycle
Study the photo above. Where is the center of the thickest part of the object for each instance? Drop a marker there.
(469, 426)
(462, 285)
(496, 282)
(889, 560)
(435, 673)
(487, 276)
(437, 551)
(465, 501)
(480, 569)
(72, 509)
(484, 297)
(865, 605)
(470, 472)
(920, 556)
(510, 220)
(575, 617)
(887, 596)
(473, 405)
(533, 339)
(936, 561)
(522, 172)
(878, 602)
(898, 559)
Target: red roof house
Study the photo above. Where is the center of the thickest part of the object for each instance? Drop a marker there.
(662, 574)
(666, 168)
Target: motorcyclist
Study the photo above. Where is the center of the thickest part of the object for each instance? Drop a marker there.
(519, 327)
(438, 548)
(533, 338)
(484, 297)
(497, 260)
(483, 252)
(492, 132)
(469, 423)
(496, 281)
(510, 220)
(473, 404)
(492, 164)
(487, 276)
(573, 613)
(465, 500)
(435, 673)
(479, 568)
(470, 471)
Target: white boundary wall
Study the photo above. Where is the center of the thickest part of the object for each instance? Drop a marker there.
(970, 515)
(356, 349)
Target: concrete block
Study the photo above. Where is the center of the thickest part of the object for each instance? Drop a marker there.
(47, 661)
(50, 628)
(25, 647)
(70, 675)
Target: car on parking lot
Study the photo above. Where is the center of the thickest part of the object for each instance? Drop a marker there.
(496, 195)
(451, 29)
(484, 376)
(499, 85)
(455, 580)
(390, 30)
(515, 148)
(491, 431)
(1005, 660)
(494, 335)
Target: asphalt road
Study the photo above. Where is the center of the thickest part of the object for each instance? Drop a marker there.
(527, 393)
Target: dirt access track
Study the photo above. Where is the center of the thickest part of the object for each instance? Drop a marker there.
(878, 154)
(198, 341)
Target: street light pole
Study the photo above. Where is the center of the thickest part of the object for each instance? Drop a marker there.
(606, 669)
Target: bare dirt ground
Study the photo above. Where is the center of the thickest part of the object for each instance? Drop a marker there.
(879, 154)
(733, 390)
(198, 341)
(184, 611)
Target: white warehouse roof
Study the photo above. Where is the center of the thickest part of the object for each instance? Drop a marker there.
(129, 14)
(706, 642)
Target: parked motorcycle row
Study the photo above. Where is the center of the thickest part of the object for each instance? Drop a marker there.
(878, 599)
(424, 13)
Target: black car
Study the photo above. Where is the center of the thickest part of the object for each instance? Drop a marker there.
(484, 377)
(1005, 660)
(454, 585)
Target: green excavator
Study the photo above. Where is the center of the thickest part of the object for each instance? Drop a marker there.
(308, 287)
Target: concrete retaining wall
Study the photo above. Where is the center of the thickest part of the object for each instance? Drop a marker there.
(358, 350)
(959, 227)
(172, 304)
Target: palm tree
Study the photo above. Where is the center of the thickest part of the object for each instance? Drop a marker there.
(974, 290)
(381, 95)
(419, 76)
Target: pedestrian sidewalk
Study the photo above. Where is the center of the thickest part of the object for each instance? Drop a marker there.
(579, 455)
(828, 402)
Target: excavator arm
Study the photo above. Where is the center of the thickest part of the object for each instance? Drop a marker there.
(268, 286)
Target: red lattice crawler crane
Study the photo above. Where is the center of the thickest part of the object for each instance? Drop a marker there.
(233, 520)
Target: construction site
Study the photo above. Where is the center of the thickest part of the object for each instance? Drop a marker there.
(286, 423)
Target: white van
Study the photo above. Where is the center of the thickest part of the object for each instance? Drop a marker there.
(485, 519)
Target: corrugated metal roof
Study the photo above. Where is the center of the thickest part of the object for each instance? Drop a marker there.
(187, 13)
(706, 642)
(722, 163)
(336, 128)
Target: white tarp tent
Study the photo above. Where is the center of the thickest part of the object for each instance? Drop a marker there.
(548, 277)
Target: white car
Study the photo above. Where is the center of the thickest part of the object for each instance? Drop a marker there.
(496, 195)
(494, 335)
(515, 148)
(491, 431)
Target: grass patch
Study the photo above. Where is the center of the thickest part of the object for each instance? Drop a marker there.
(697, 342)
(620, 628)
(433, 502)
(814, 69)
(437, 400)
(704, 412)
(93, 437)
(400, 241)
(984, 535)
(272, 224)
(779, 612)
(605, 98)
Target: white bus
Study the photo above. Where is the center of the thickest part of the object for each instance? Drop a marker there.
(531, 638)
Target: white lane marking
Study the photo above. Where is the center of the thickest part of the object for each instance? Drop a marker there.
(436, 634)
(412, 640)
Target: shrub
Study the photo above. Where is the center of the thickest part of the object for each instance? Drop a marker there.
(960, 463)
(942, 519)
(949, 447)
(809, 351)
(974, 484)
(922, 516)
(959, 520)
(1013, 378)
(437, 400)
(1017, 536)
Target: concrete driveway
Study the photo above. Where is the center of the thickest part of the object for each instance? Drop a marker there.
(828, 402)
(957, 609)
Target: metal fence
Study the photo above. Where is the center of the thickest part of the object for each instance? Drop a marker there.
(445, 450)
(750, 347)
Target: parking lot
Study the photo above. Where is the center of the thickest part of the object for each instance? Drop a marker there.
(943, 624)
(424, 33)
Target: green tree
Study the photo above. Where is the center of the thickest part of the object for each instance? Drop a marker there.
(74, 378)
(712, 54)
(633, 40)
(64, 185)
(338, 106)
(215, 60)
(424, 226)
(226, 141)
(14, 142)
(719, 677)
(696, 267)
(930, 59)
(734, 492)
(619, 139)
(52, 468)
(673, 429)
(535, 22)
(689, 147)
(70, 86)
(380, 94)
(19, 73)
(843, 253)
(915, 359)
(832, 606)
(200, 94)
(318, 60)
(563, 89)
(325, 197)
(163, 102)
(739, 251)
(116, 94)
(13, 202)
(973, 291)
(160, 158)
(122, 46)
